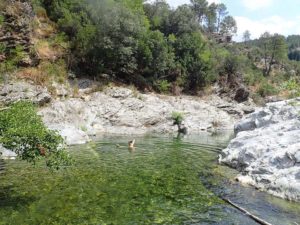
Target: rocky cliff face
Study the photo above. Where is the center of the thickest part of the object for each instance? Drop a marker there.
(16, 91)
(16, 30)
(266, 149)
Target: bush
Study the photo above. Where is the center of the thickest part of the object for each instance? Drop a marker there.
(22, 131)
(56, 71)
(293, 87)
(163, 86)
(266, 89)
(13, 58)
(177, 118)
(253, 77)
(40, 12)
(2, 48)
(1, 20)
(232, 64)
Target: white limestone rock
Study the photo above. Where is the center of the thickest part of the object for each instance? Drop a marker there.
(266, 149)
(7, 154)
(120, 112)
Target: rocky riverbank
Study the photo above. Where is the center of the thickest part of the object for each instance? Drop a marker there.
(266, 149)
(120, 110)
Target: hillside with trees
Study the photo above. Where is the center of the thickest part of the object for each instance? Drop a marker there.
(150, 45)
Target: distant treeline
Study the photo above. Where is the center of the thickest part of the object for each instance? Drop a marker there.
(292, 42)
(294, 47)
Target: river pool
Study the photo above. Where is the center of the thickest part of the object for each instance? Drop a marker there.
(165, 180)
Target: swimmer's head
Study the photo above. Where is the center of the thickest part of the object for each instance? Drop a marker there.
(131, 143)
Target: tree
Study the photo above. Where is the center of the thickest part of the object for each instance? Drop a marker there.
(183, 21)
(73, 19)
(22, 131)
(211, 18)
(221, 11)
(274, 49)
(116, 43)
(156, 57)
(228, 26)
(200, 8)
(158, 14)
(246, 36)
(195, 60)
(293, 42)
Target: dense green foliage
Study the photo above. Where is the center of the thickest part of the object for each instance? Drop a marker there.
(147, 44)
(156, 47)
(23, 131)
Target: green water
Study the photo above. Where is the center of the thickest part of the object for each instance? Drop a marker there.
(157, 183)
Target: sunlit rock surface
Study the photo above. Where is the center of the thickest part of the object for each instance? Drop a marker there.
(120, 110)
(266, 149)
(20, 90)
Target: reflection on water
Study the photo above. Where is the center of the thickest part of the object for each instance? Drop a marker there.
(157, 182)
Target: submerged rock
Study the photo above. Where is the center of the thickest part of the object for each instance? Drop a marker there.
(266, 149)
(6, 154)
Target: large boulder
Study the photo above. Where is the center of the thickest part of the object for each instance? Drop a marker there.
(71, 134)
(266, 149)
(241, 94)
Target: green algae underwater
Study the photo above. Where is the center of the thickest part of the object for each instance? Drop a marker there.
(156, 183)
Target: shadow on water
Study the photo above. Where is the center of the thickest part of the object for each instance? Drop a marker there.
(12, 200)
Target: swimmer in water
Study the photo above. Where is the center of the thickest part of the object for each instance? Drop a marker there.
(131, 144)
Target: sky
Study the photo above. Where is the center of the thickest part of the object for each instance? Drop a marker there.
(258, 16)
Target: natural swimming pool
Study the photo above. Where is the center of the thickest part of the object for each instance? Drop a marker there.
(165, 180)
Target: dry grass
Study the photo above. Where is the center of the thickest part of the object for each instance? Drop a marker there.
(46, 51)
(34, 74)
(43, 27)
(284, 94)
(45, 73)
(205, 92)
